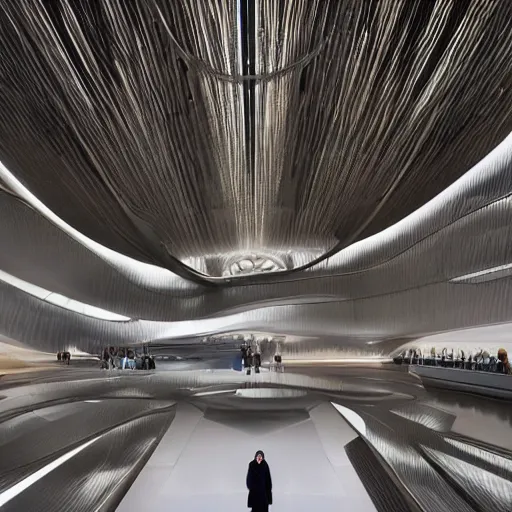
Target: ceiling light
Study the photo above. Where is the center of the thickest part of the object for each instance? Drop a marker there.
(488, 274)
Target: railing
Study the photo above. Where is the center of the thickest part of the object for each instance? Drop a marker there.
(496, 385)
(489, 365)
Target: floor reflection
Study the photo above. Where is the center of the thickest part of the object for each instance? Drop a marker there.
(437, 450)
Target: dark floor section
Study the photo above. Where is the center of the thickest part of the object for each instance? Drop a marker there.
(97, 477)
(380, 487)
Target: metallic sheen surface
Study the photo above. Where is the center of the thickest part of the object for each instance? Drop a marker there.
(306, 168)
(157, 435)
(331, 179)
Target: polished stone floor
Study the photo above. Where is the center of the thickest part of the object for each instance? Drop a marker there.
(336, 438)
(202, 460)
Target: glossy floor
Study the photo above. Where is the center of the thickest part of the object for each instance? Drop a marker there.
(81, 439)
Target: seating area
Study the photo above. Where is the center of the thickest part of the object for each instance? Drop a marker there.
(481, 360)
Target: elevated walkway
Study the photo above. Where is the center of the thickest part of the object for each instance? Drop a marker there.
(494, 385)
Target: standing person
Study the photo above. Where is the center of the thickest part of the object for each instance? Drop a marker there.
(259, 484)
(249, 360)
(243, 351)
(238, 361)
(505, 364)
(257, 360)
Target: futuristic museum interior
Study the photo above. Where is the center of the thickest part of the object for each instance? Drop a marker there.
(238, 225)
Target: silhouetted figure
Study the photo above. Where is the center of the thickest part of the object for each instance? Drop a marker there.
(486, 360)
(505, 365)
(450, 357)
(433, 356)
(259, 484)
(148, 363)
(278, 364)
(59, 356)
(243, 350)
(462, 359)
(444, 353)
(248, 361)
(257, 362)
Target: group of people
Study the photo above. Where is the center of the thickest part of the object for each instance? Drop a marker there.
(126, 359)
(64, 357)
(251, 358)
(481, 360)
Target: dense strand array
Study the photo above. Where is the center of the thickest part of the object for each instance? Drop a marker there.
(140, 125)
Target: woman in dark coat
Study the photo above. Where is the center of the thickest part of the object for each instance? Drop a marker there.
(259, 484)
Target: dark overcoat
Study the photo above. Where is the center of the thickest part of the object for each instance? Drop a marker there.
(259, 484)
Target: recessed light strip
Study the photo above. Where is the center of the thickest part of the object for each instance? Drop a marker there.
(60, 300)
(12, 492)
(481, 273)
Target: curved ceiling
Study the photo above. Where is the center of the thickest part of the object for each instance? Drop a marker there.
(176, 132)
(310, 168)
